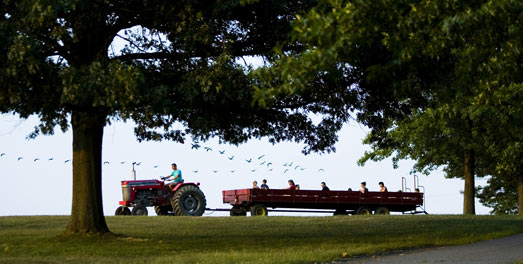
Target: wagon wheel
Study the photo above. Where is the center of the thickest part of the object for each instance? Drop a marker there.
(382, 210)
(258, 210)
(363, 210)
(139, 210)
(340, 212)
(237, 211)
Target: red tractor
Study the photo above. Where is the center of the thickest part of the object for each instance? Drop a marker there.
(185, 199)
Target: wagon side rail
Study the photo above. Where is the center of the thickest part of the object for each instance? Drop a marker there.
(322, 199)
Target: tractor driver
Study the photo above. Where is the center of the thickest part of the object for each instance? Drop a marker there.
(176, 176)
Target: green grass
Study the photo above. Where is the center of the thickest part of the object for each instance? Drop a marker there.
(37, 239)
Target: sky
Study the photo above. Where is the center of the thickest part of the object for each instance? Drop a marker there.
(36, 185)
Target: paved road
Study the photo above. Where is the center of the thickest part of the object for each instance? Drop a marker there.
(503, 250)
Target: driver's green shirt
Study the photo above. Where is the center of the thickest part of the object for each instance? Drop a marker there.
(175, 174)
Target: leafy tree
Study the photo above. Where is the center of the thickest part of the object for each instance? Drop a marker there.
(180, 65)
(500, 195)
(436, 81)
(476, 114)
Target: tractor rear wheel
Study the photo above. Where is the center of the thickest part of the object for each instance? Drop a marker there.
(139, 210)
(161, 210)
(258, 210)
(382, 211)
(189, 200)
(122, 211)
(363, 210)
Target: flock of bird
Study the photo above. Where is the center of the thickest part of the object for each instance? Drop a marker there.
(259, 161)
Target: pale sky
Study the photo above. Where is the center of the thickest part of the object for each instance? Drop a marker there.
(44, 187)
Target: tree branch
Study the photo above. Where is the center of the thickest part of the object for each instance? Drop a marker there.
(147, 56)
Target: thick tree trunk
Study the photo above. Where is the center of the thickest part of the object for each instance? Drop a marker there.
(468, 199)
(87, 211)
(520, 193)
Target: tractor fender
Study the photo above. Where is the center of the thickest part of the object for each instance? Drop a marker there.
(181, 184)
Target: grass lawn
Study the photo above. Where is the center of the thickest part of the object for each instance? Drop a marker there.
(37, 239)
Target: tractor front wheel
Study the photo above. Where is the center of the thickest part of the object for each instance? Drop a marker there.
(139, 210)
(122, 211)
(189, 200)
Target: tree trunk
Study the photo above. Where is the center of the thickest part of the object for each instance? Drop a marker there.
(468, 199)
(520, 193)
(87, 211)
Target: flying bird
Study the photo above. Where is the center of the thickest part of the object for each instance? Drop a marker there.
(106, 162)
(285, 170)
(221, 151)
(156, 166)
(50, 159)
(195, 171)
(253, 170)
(261, 156)
(297, 166)
(232, 171)
(215, 171)
(207, 148)
(67, 161)
(195, 146)
(3, 154)
(231, 157)
(290, 164)
(321, 170)
(123, 162)
(138, 163)
(35, 160)
(270, 169)
(249, 160)
(19, 158)
(269, 164)
(302, 168)
(263, 162)
(285, 165)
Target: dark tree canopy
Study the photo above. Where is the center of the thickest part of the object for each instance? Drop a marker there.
(439, 82)
(181, 64)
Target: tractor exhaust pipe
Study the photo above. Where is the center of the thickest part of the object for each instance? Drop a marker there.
(134, 172)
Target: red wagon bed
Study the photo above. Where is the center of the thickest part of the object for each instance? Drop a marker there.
(343, 202)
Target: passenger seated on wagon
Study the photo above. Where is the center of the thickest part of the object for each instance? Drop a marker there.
(264, 185)
(324, 187)
(255, 185)
(363, 188)
(382, 187)
(297, 187)
(291, 185)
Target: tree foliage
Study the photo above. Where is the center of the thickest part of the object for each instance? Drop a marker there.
(439, 82)
(181, 64)
(501, 195)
